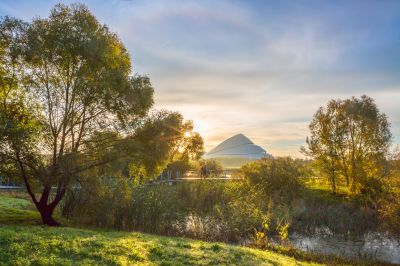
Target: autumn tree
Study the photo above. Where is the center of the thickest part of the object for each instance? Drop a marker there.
(350, 139)
(63, 79)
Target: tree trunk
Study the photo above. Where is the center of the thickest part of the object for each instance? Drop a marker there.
(46, 209)
(347, 180)
(46, 212)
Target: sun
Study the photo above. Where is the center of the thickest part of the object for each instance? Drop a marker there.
(200, 126)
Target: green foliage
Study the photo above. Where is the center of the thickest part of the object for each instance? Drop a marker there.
(134, 160)
(389, 202)
(350, 140)
(390, 213)
(261, 237)
(278, 175)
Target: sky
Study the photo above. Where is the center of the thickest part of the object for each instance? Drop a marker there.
(261, 68)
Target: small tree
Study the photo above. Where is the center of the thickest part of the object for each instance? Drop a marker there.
(63, 79)
(351, 139)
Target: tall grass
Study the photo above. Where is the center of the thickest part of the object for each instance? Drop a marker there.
(272, 191)
(206, 209)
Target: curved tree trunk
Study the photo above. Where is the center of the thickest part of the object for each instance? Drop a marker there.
(45, 209)
(46, 213)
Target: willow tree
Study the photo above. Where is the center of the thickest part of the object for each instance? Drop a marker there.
(63, 79)
(350, 139)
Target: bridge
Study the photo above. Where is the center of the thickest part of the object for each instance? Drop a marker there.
(8, 185)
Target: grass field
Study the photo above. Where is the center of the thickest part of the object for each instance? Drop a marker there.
(17, 211)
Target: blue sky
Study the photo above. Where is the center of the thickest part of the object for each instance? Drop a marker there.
(261, 68)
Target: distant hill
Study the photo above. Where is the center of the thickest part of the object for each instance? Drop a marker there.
(236, 151)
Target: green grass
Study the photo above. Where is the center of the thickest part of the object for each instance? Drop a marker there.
(320, 188)
(17, 211)
(37, 245)
(12, 202)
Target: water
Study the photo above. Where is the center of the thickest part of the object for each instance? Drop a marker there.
(370, 246)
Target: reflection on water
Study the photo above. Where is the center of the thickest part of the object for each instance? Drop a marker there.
(371, 246)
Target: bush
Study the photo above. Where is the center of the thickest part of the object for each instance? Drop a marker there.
(278, 175)
(389, 204)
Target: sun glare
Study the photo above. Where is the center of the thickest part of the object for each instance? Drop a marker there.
(200, 126)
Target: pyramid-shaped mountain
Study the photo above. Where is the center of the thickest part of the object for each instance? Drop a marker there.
(238, 146)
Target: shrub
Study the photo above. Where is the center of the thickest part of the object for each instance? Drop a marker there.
(389, 204)
(278, 175)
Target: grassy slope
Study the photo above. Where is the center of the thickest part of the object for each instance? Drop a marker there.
(17, 211)
(24, 244)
